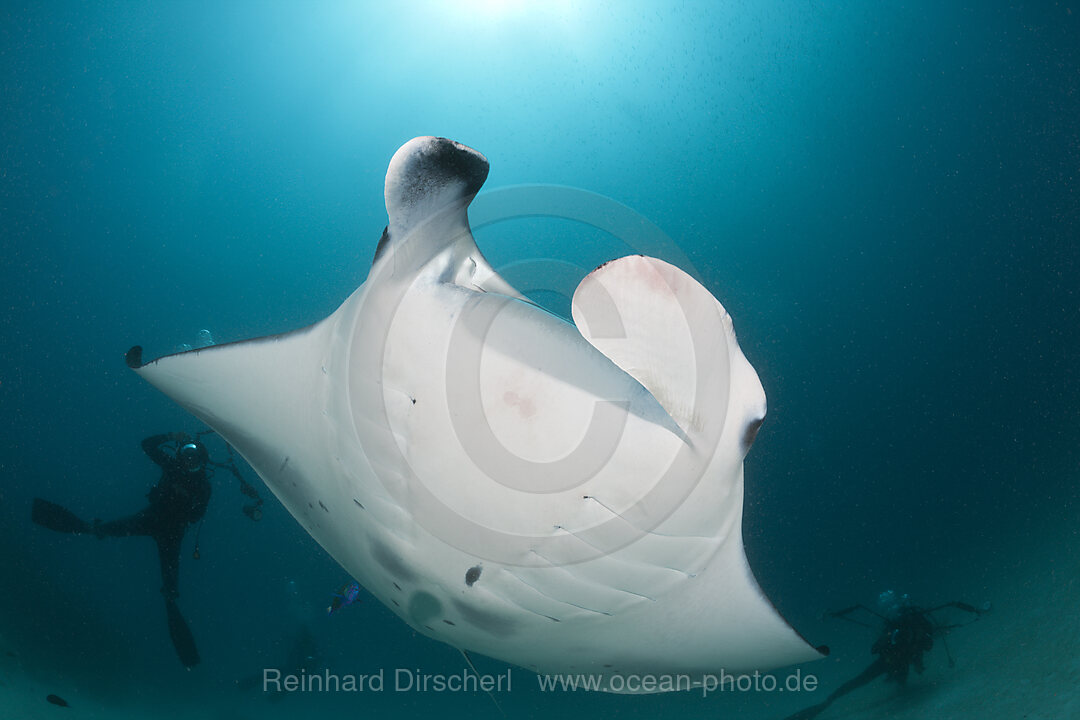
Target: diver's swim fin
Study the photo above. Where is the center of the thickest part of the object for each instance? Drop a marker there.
(56, 517)
(810, 712)
(182, 639)
(872, 671)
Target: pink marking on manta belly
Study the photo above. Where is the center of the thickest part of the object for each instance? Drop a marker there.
(525, 405)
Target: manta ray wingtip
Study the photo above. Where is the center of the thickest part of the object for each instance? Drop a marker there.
(133, 357)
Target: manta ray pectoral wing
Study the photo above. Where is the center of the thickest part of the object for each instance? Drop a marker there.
(268, 397)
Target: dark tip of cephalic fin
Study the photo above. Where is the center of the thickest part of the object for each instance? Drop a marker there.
(750, 433)
(427, 175)
(133, 357)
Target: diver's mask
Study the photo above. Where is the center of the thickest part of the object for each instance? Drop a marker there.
(192, 456)
(890, 603)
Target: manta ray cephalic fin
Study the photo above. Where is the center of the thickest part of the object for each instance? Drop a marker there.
(670, 334)
(429, 185)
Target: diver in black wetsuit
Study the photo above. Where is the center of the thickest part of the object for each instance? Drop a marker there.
(178, 500)
(903, 641)
(907, 633)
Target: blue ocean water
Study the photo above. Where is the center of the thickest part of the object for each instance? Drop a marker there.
(883, 195)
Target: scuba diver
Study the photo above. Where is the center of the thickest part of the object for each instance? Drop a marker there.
(907, 633)
(179, 499)
(346, 595)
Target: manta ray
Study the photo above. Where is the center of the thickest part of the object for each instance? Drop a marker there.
(566, 497)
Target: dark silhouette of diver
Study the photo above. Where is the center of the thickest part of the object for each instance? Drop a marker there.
(178, 500)
(907, 633)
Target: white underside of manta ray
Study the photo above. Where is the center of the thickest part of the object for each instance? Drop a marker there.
(564, 497)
